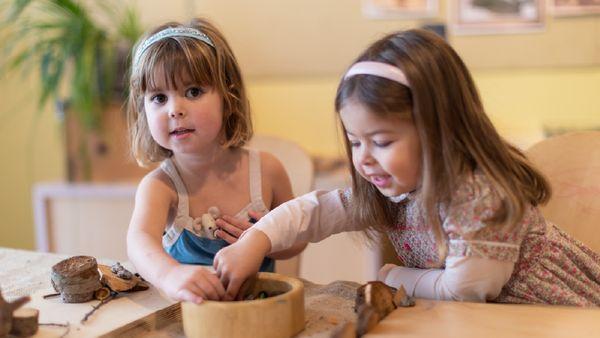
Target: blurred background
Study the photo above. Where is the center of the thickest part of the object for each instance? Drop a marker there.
(537, 69)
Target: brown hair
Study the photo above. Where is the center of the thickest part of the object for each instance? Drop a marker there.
(455, 134)
(215, 67)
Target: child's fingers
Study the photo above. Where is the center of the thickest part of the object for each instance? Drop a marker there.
(234, 230)
(235, 224)
(218, 288)
(233, 287)
(255, 214)
(225, 236)
(384, 271)
(188, 296)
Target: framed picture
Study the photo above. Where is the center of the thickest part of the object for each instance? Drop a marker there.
(575, 7)
(497, 16)
(400, 9)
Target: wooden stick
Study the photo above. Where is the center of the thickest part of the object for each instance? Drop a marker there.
(67, 326)
(102, 302)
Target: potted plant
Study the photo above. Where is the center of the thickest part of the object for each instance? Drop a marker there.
(81, 59)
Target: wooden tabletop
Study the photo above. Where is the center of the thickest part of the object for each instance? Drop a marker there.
(26, 272)
(465, 320)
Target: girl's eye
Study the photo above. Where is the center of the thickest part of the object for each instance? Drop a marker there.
(159, 98)
(193, 92)
(382, 144)
(354, 144)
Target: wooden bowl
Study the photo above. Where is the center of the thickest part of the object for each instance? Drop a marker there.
(276, 316)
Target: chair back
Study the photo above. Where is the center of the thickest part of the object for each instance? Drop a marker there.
(571, 162)
(295, 160)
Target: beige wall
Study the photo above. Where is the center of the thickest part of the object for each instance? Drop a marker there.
(288, 102)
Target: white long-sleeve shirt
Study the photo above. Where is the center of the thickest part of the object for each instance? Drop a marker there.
(319, 214)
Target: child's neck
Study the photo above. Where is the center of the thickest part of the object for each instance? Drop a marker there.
(218, 160)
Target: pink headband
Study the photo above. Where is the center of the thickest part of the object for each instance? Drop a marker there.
(378, 69)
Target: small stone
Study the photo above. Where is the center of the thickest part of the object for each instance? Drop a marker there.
(115, 268)
(124, 274)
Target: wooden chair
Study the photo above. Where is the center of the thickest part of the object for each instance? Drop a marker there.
(571, 162)
(300, 169)
(83, 219)
(295, 160)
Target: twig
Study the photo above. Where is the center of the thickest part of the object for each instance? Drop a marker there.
(51, 295)
(67, 326)
(112, 296)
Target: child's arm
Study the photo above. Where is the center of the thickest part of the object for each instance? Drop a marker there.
(276, 180)
(180, 282)
(473, 279)
(309, 218)
(282, 192)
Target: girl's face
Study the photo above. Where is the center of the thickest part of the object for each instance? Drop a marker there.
(385, 151)
(187, 119)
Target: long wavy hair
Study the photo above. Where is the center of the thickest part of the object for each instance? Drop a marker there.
(456, 135)
(179, 58)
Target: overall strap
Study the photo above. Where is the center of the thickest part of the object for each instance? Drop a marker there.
(255, 177)
(168, 166)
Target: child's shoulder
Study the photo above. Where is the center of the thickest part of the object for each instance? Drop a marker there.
(271, 166)
(157, 181)
(275, 179)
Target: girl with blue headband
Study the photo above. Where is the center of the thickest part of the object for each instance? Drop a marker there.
(458, 203)
(188, 110)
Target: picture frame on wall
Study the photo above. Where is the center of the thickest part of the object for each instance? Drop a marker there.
(400, 9)
(472, 17)
(575, 7)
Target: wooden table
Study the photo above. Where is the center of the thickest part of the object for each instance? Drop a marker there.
(146, 313)
(26, 272)
(475, 320)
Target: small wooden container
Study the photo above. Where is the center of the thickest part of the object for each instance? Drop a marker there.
(273, 317)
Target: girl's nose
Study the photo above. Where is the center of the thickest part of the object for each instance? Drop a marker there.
(364, 156)
(176, 109)
(178, 113)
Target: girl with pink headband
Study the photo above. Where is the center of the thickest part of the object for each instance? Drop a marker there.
(458, 203)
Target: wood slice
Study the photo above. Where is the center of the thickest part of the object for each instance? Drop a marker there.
(76, 278)
(6, 313)
(25, 322)
(116, 283)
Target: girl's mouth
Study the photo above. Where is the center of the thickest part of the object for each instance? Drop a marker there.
(381, 181)
(181, 132)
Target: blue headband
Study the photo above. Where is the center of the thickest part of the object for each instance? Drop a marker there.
(168, 33)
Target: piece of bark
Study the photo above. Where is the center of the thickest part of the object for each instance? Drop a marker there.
(76, 278)
(401, 299)
(25, 322)
(378, 295)
(140, 286)
(6, 313)
(367, 318)
(116, 283)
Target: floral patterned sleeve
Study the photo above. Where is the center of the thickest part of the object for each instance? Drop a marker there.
(469, 234)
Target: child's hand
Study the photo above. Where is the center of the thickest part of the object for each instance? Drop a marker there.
(231, 228)
(192, 283)
(235, 263)
(385, 271)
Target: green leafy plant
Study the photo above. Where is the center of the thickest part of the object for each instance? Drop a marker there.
(77, 55)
